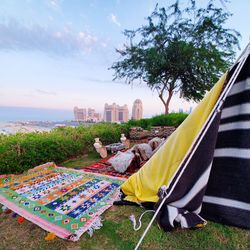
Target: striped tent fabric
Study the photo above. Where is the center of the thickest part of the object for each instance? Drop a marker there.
(213, 179)
(227, 198)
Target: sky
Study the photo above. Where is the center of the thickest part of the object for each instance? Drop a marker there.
(56, 53)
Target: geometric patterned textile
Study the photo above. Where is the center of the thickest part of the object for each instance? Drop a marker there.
(64, 201)
(103, 167)
(106, 169)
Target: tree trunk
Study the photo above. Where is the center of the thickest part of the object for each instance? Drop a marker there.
(166, 109)
(170, 94)
(167, 102)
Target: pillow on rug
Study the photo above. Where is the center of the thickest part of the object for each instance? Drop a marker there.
(121, 161)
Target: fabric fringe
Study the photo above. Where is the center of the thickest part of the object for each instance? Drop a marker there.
(4, 208)
(97, 224)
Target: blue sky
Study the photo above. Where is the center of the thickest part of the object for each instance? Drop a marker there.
(56, 53)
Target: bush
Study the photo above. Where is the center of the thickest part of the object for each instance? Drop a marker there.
(20, 152)
(173, 119)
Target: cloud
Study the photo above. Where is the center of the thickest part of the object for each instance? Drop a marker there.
(115, 20)
(138, 83)
(91, 79)
(43, 92)
(16, 36)
(54, 3)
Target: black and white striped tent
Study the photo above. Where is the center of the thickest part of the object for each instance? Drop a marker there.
(213, 180)
(227, 196)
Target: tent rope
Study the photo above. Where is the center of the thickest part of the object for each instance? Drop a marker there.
(133, 220)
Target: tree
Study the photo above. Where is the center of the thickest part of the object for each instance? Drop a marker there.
(179, 50)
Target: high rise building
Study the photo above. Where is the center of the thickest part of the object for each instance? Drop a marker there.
(137, 110)
(115, 113)
(84, 115)
(97, 117)
(80, 114)
(93, 116)
(91, 113)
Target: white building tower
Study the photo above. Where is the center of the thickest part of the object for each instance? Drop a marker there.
(137, 110)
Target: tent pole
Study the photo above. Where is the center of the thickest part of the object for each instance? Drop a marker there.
(216, 109)
(150, 223)
(245, 51)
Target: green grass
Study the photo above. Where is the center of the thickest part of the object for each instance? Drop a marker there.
(117, 232)
(81, 161)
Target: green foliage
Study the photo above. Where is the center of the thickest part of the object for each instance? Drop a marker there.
(173, 119)
(179, 50)
(23, 151)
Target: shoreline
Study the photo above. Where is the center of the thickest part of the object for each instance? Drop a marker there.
(13, 127)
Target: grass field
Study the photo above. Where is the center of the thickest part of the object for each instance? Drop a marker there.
(117, 232)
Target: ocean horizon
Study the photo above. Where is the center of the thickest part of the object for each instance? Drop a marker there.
(14, 114)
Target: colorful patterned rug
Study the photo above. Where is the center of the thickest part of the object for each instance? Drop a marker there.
(64, 201)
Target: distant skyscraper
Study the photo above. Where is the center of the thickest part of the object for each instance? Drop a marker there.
(80, 114)
(97, 117)
(115, 113)
(91, 113)
(137, 110)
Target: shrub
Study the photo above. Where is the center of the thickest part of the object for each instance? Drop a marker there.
(173, 119)
(20, 152)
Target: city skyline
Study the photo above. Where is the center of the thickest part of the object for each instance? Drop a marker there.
(56, 55)
(112, 113)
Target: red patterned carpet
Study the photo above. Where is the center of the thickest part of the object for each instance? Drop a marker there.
(104, 167)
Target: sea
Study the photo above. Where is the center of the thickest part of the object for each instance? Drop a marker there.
(11, 114)
(21, 119)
